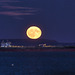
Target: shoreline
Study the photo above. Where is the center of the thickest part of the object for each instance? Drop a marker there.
(35, 49)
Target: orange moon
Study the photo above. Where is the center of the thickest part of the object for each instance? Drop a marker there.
(34, 32)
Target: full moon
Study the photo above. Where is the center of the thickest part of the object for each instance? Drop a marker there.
(33, 32)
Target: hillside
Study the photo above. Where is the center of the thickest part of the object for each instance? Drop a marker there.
(29, 42)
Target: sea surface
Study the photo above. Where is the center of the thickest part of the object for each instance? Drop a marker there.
(37, 63)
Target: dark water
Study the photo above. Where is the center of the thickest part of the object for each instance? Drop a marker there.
(37, 63)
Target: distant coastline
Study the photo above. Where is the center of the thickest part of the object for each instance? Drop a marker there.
(36, 49)
(35, 45)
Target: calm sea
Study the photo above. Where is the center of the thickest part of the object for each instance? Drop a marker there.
(37, 63)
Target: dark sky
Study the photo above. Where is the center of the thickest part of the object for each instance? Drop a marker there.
(56, 18)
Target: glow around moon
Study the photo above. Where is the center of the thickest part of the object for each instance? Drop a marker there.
(34, 32)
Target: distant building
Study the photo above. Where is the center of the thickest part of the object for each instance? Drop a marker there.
(2, 43)
(44, 45)
(7, 44)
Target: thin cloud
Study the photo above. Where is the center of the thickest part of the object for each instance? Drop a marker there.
(16, 11)
(15, 7)
(9, 13)
(9, 1)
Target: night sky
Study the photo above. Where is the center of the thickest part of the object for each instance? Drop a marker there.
(56, 19)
